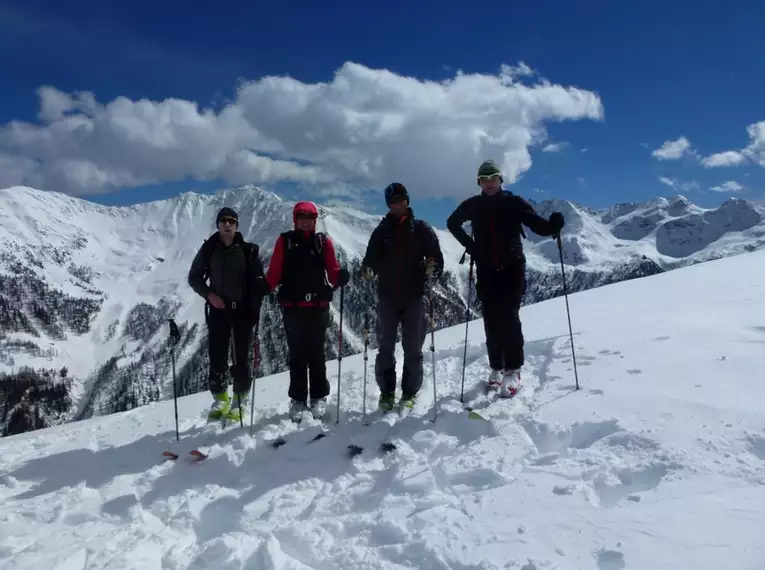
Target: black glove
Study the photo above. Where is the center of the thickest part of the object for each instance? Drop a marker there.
(260, 286)
(343, 277)
(556, 222)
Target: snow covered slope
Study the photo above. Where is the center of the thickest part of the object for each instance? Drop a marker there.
(657, 462)
(85, 289)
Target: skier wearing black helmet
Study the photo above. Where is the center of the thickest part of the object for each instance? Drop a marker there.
(403, 252)
(233, 301)
(496, 217)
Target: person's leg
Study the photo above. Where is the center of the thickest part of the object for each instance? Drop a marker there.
(242, 343)
(294, 327)
(316, 336)
(414, 325)
(385, 362)
(219, 332)
(512, 338)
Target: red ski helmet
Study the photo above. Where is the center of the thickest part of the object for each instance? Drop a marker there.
(304, 208)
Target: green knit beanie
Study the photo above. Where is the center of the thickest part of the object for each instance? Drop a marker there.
(489, 168)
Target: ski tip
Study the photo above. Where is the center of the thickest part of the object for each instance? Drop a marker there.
(198, 455)
(319, 436)
(475, 415)
(170, 455)
(278, 442)
(354, 450)
(387, 447)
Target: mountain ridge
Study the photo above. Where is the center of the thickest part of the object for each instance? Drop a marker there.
(87, 288)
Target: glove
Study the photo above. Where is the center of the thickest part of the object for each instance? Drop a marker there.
(430, 267)
(556, 222)
(260, 286)
(367, 273)
(343, 277)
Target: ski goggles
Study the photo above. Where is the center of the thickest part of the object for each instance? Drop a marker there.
(489, 177)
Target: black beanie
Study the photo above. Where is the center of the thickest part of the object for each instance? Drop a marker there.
(226, 212)
(396, 189)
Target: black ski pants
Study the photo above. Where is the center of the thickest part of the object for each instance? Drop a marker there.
(414, 329)
(501, 293)
(221, 325)
(306, 329)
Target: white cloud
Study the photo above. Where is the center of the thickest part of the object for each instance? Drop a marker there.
(554, 147)
(679, 186)
(727, 158)
(730, 186)
(673, 150)
(365, 127)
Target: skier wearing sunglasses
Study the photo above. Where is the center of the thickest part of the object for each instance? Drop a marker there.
(496, 217)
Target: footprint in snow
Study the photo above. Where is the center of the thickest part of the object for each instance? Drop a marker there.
(610, 560)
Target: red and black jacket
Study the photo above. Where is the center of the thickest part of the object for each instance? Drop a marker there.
(397, 251)
(305, 268)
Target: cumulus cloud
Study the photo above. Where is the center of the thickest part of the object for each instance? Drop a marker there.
(366, 127)
(727, 158)
(673, 150)
(754, 151)
(730, 186)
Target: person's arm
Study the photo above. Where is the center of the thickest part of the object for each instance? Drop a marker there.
(463, 213)
(274, 274)
(534, 221)
(331, 263)
(196, 275)
(373, 255)
(255, 273)
(432, 248)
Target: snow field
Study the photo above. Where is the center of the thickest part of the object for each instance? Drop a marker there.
(658, 461)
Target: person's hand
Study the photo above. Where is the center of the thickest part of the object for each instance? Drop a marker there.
(556, 222)
(430, 267)
(216, 301)
(343, 277)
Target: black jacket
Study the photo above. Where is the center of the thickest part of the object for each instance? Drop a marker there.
(232, 277)
(397, 251)
(496, 223)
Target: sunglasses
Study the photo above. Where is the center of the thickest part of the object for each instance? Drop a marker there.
(396, 198)
(490, 177)
(231, 221)
(305, 217)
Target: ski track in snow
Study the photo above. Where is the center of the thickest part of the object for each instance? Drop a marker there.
(658, 461)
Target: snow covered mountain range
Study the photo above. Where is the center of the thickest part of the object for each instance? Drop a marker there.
(86, 290)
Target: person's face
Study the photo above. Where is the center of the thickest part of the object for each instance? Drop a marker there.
(305, 222)
(398, 206)
(227, 226)
(490, 184)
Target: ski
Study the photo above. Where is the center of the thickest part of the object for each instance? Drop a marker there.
(322, 423)
(384, 424)
(210, 430)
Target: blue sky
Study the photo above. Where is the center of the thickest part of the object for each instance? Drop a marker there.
(660, 71)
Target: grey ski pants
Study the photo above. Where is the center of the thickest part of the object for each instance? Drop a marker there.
(414, 328)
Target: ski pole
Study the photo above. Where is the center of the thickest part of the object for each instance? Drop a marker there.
(255, 372)
(433, 351)
(568, 311)
(366, 358)
(467, 322)
(339, 352)
(175, 336)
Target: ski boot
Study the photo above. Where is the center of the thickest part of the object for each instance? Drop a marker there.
(511, 383)
(406, 403)
(318, 408)
(238, 407)
(386, 402)
(219, 407)
(296, 410)
(495, 381)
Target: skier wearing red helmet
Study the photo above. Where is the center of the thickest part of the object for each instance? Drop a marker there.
(305, 268)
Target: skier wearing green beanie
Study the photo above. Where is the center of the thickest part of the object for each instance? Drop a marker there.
(497, 218)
